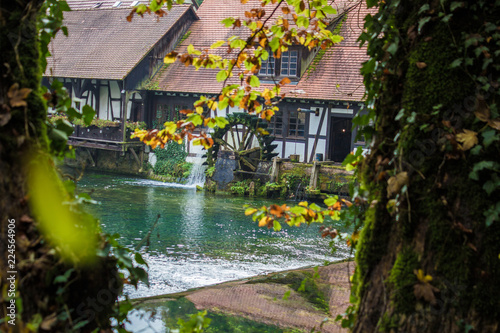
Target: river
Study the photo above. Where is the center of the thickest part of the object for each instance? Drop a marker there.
(200, 239)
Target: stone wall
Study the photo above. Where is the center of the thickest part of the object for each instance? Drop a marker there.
(106, 160)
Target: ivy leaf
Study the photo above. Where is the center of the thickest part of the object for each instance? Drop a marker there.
(88, 114)
(492, 214)
(422, 22)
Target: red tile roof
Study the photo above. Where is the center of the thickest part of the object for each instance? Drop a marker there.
(334, 76)
(102, 44)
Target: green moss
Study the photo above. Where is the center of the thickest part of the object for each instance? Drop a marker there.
(402, 279)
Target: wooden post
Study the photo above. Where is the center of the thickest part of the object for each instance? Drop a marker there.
(314, 176)
(132, 150)
(275, 170)
(90, 157)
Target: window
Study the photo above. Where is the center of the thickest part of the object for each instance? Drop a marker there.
(289, 63)
(286, 65)
(296, 124)
(277, 124)
(267, 66)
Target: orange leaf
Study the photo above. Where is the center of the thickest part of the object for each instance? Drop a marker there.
(285, 81)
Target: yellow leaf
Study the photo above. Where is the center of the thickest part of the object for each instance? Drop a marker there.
(422, 277)
(303, 203)
(170, 58)
(468, 139)
(263, 221)
(217, 44)
(73, 235)
(171, 127)
(250, 211)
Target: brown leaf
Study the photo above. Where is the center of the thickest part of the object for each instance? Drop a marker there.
(17, 96)
(48, 322)
(425, 291)
(395, 183)
(26, 219)
(495, 124)
(421, 65)
(463, 228)
(4, 119)
(468, 138)
(483, 112)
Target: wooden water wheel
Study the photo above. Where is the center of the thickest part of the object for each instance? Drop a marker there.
(242, 137)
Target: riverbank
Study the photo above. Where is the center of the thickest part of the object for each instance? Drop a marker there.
(276, 298)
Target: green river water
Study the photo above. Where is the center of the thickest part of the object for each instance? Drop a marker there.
(200, 239)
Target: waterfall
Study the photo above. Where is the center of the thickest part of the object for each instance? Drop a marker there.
(197, 176)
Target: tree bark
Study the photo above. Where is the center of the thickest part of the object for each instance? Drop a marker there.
(39, 300)
(425, 211)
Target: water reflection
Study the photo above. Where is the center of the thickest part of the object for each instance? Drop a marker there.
(200, 239)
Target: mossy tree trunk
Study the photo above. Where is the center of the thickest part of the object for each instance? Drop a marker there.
(39, 300)
(426, 211)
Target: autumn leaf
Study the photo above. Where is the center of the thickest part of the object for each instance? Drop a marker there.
(264, 221)
(395, 183)
(278, 211)
(346, 202)
(494, 124)
(483, 113)
(468, 139)
(250, 211)
(422, 277)
(353, 239)
(284, 81)
(425, 291)
(421, 65)
(17, 96)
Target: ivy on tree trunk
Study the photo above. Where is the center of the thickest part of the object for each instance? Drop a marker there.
(428, 255)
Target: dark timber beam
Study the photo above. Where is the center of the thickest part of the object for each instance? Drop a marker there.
(318, 132)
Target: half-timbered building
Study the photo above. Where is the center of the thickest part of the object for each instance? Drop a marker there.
(325, 92)
(105, 62)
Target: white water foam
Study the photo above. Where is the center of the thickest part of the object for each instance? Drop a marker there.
(197, 176)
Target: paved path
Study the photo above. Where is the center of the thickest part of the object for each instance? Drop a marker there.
(263, 301)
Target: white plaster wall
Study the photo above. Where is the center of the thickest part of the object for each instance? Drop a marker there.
(295, 148)
(314, 122)
(320, 148)
(116, 110)
(103, 103)
(279, 148)
(115, 89)
(342, 111)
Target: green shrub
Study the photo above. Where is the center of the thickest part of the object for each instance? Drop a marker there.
(171, 161)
